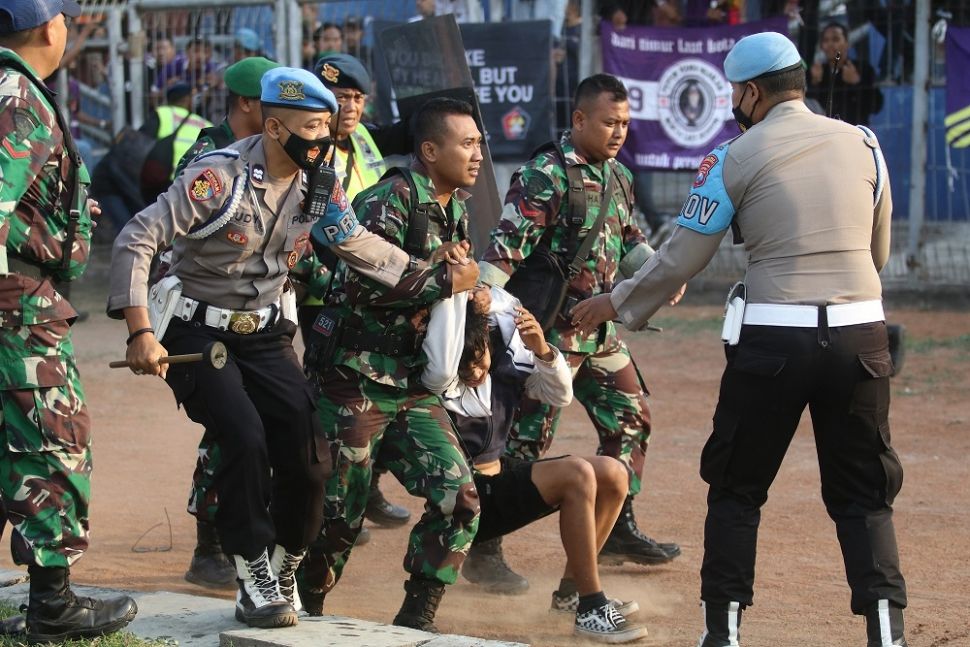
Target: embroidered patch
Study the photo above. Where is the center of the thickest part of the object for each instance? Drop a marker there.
(205, 186)
(324, 324)
(706, 165)
(300, 244)
(237, 237)
(24, 123)
(291, 91)
(292, 259)
(329, 73)
(258, 172)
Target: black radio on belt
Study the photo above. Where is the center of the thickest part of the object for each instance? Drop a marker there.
(319, 190)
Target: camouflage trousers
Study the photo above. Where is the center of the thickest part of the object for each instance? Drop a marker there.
(609, 386)
(203, 500)
(45, 446)
(416, 441)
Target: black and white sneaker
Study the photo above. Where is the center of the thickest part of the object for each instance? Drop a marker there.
(570, 604)
(259, 602)
(284, 566)
(606, 624)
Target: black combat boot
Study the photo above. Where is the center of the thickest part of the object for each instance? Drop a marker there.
(55, 614)
(627, 544)
(210, 567)
(884, 625)
(259, 602)
(421, 599)
(721, 624)
(485, 566)
(381, 511)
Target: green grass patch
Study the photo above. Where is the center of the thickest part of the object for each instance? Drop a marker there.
(117, 639)
(927, 344)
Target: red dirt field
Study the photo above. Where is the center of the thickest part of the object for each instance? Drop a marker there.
(145, 449)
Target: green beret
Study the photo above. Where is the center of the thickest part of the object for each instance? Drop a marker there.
(243, 77)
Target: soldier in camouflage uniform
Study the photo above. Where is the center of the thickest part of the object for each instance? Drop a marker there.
(606, 379)
(45, 232)
(371, 400)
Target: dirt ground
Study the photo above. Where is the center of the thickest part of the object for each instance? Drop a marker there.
(142, 538)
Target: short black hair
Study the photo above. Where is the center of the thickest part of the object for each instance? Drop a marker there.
(835, 25)
(318, 32)
(428, 123)
(592, 87)
(476, 339)
(792, 80)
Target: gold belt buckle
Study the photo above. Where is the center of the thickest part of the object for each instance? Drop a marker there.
(243, 323)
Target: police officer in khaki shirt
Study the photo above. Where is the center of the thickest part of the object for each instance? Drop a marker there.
(237, 224)
(810, 197)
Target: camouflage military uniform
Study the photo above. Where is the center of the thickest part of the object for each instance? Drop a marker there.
(45, 449)
(365, 392)
(606, 380)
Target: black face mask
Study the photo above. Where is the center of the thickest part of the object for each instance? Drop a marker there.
(744, 121)
(306, 153)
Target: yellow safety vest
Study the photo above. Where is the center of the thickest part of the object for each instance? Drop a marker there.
(169, 118)
(368, 164)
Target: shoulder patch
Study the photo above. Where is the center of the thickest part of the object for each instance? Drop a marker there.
(24, 123)
(205, 186)
(708, 208)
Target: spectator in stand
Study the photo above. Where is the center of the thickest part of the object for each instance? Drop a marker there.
(354, 41)
(309, 14)
(854, 94)
(329, 39)
(425, 8)
(247, 44)
(567, 64)
(659, 13)
(168, 65)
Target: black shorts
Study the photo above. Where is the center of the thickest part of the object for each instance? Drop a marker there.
(509, 500)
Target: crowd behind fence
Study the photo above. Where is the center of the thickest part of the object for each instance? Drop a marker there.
(128, 53)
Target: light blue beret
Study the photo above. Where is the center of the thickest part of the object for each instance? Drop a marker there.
(760, 54)
(290, 87)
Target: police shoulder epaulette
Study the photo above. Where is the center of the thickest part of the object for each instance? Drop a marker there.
(229, 153)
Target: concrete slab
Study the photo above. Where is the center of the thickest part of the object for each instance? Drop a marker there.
(339, 631)
(198, 621)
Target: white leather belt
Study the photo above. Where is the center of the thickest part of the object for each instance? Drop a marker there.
(242, 322)
(802, 316)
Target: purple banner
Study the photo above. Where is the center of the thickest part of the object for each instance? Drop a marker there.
(680, 102)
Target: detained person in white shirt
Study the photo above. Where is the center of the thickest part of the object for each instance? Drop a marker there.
(485, 353)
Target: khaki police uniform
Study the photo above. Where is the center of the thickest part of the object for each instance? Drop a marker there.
(811, 199)
(258, 409)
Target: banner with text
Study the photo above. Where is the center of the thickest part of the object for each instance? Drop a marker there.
(680, 102)
(513, 83)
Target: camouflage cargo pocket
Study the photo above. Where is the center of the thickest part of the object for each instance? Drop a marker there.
(40, 390)
(50, 419)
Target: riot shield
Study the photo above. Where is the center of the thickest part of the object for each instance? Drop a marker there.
(426, 59)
